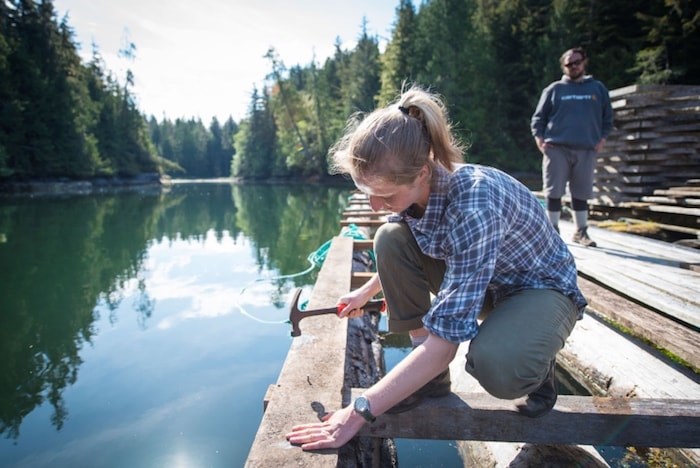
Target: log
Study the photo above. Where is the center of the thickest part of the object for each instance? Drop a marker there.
(574, 420)
(307, 383)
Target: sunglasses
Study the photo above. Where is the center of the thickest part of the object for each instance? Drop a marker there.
(575, 63)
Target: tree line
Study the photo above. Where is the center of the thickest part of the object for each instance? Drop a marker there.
(489, 59)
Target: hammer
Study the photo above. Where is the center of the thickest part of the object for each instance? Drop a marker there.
(295, 315)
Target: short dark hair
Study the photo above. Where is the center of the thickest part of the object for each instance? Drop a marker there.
(575, 50)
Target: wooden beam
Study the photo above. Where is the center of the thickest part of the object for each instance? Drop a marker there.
(363, 245)
(644, 269)
(363, 222)
(574, 420)
(359, 278)
(312, 372)
(360, 212)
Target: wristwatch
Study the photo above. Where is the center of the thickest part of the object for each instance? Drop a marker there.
(362, 408)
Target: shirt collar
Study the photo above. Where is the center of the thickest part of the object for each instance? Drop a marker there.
(436, 202)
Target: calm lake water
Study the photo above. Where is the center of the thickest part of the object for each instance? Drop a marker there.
(143, 329)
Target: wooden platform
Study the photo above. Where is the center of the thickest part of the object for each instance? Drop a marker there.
(311, 379)
(648, 287)
(654, 273)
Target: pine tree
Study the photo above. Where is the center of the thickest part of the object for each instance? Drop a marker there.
(398, 61)
(256, 142)
(360, 79)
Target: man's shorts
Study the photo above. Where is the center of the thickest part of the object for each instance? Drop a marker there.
(561, 164)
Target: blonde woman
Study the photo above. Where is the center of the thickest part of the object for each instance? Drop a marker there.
(474, 237)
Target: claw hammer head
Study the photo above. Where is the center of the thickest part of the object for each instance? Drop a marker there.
(295, 315)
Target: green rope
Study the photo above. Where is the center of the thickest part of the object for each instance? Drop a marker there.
(319, 256)
(316, 259)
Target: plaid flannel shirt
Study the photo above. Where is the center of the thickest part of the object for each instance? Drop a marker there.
(493, 234)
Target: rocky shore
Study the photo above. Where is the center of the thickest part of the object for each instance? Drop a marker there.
(65, 186)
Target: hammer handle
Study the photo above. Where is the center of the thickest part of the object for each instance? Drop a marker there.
(375, 305)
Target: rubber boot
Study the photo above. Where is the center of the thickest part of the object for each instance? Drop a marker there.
(542, 400)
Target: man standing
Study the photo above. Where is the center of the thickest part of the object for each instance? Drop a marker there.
(572, 120)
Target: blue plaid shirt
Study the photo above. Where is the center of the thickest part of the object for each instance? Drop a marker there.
(493, 234)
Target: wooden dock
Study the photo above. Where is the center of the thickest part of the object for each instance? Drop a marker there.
(644, 306)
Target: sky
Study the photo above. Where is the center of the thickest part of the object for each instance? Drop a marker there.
(202, 58)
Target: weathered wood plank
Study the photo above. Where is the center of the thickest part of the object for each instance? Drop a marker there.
(363, 245)
(365, 212)
(649, 271)
(679, 300)
(574, 420)
(312, 373)
(363, 222)
(607, 364)
(642, 322)
(359, 280)
(680, 210)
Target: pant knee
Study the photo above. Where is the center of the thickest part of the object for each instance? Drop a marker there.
(500, 379)
(390, 239)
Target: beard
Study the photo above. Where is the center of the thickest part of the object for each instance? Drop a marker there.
(575, 74)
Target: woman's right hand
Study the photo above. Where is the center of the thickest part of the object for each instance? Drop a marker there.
(350, 304)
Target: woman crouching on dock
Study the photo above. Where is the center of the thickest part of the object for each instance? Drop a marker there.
(480, 242)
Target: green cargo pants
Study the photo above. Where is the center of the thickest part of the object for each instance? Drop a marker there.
(518, 338)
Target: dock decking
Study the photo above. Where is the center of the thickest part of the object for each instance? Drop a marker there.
(650, 288)
(655, 273)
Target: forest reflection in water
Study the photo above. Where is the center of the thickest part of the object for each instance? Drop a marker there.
(142, 329)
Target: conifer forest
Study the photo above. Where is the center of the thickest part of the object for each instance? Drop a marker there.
(63, 117)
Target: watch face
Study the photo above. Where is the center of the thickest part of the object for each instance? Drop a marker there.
(362, 408)
(361, 405)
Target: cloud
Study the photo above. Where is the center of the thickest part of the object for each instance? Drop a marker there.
(202, 59)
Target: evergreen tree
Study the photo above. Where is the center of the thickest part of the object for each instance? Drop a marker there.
(398, 61)
(361, 77)
(671, 43)
(62, 118)
(7, 93)
(256, 142)
(228, 133)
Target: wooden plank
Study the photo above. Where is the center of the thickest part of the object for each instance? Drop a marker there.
(363, 245)
(668, 288)
(313, 371)
(607, 363)
(574, 420)
(626, 245)
(363, 222)
(365, 212)
(693, 212)
(642, 322)
(676, 295)
(359, 278)
(662, 200)
(692, 192)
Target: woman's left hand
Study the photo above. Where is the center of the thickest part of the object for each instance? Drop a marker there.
(334, 431)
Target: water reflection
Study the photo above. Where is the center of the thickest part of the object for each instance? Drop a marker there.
(66, 262)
